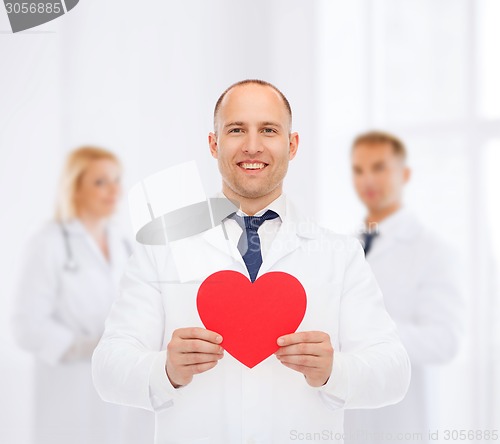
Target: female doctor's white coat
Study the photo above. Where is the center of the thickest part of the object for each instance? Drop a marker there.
(58, 309)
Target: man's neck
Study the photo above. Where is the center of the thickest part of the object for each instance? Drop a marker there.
(251, 206)
(378, 215)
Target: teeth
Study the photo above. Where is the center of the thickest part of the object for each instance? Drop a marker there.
(252, 166)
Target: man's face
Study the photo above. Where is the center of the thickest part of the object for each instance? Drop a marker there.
(379, 175)
(252, 143)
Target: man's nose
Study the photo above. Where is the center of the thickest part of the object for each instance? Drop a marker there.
(114, 189)
(368, 179)
(253, 144)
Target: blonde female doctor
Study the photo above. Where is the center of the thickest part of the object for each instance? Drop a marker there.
(67, 284)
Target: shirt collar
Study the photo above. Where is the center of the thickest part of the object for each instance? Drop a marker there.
(391, 222)
(278, 205)
(74, 226)
(401, 224)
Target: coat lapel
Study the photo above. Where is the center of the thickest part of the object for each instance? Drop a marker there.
(401, 227)
(289, 237)
(382, 243)
(199, 256)
(218, 239)
(75, 228)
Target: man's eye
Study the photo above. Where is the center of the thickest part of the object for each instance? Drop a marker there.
(269, 130)
(235, 130)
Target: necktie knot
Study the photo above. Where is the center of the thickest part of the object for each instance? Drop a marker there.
(249, 243)
(254, 222)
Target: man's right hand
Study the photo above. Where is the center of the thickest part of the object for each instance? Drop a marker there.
(191, 351)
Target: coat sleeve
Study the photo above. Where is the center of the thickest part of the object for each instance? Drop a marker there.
(434, 333)
(371, 368)
(34, 324)
(128, 365)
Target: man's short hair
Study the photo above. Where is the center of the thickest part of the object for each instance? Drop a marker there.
(379, 137)
(254, 82)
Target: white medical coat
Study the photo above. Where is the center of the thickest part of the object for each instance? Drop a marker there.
(56, 309)
(420, 280)
(270, 403)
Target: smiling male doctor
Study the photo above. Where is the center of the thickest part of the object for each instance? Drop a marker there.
(155, 353)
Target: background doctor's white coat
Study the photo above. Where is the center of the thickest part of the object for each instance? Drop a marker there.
(141, 78)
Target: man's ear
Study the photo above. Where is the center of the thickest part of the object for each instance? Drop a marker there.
(406, 174)
(294, 145)
(212, 143)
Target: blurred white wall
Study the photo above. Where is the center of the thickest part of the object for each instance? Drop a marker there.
(142, 80)
(145, 82)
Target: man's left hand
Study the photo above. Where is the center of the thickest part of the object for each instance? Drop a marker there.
(308, 352)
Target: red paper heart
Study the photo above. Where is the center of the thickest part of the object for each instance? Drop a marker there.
(251, 316)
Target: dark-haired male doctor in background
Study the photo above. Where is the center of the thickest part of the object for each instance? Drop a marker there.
(420, 281)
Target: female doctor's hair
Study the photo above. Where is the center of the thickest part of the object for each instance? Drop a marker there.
(381, 137)
(77, 163)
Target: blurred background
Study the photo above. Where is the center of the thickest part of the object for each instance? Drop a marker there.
(141, 79)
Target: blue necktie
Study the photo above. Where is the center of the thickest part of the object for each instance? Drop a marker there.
(249, 243)
(367, 240)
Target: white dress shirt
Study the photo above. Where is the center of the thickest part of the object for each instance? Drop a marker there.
(267, 231)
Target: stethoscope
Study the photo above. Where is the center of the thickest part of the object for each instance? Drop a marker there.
(71, 264)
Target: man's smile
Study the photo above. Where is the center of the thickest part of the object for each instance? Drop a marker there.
(252, 166)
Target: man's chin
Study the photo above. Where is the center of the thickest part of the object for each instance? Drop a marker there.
(251, 189)
(252, 193)
(373, 204)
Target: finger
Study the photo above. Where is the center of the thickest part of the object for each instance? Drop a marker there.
(313, 376)
(303, 336)
(303, 348)
(306, 371)
(202, 367)
(198, 333)
(301, 360)
(199, 346)
(299, 368)
(199, 358)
